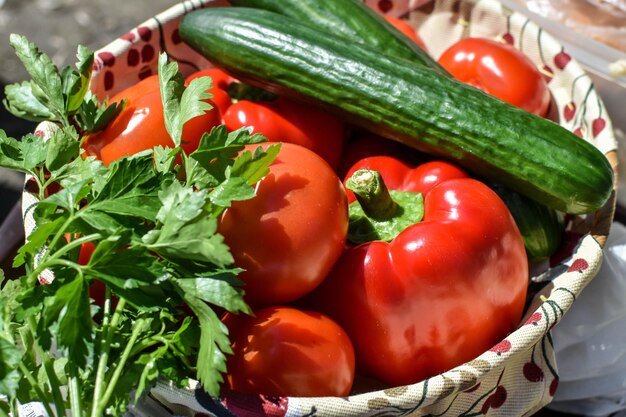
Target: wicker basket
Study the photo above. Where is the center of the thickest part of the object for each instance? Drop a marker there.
(517, 376)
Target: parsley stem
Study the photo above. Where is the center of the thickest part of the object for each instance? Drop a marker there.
(35, 386)
(49, 371)
(74, 391)
(138, 327)
(104, 347)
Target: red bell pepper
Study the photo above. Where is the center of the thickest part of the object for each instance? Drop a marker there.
(280, 119)
(440, 276)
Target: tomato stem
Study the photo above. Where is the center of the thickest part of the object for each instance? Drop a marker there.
(372, 194)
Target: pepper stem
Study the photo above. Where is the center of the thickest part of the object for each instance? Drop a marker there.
(372, 194)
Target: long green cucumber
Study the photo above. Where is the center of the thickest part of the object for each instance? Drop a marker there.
(408, 103)
(351, 19)
(354, 20)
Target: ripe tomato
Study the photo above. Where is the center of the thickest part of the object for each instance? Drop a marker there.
(288, 120)
(406, 28)
(141, 125)
(283, 351)
(500, 70)
(288, 237)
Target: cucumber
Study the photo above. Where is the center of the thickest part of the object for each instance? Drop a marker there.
(409, 103)
(352, 19)
(541, 227)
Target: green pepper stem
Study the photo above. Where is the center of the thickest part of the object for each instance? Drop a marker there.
(372, 194)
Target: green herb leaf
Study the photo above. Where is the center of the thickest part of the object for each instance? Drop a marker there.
(24, 155)
(76, 84)
(185, 231)
(131, 188)
(46, 84)
(220, 290)
(63, 146)
(214, 344)
(69, 309)
(21, 102)
(10, 357)
(181, 104)
(92, 116)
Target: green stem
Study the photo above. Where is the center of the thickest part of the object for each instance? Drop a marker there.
(119, 368)
(104, 348)
(74, 392)
(49, 370)
(372, 194)
(43, 397)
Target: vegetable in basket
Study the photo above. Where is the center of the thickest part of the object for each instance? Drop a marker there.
(152, 218)
(409, 103)
(438, 273)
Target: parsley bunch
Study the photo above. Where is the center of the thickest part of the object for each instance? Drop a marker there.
(153, 218)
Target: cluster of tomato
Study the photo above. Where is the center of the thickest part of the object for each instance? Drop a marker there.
(437, 294)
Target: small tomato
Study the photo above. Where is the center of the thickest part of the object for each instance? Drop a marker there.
(141, 125)
(283, 351)
(500, 70)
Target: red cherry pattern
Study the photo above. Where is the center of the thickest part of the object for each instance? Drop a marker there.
(508, 38)
(532, 372)
(385, 5)
(569, 111)
(534, 319)
(553, 386)
(495, 400)
(561, 60)
(579, 265)
(597, 126)
(502, 347)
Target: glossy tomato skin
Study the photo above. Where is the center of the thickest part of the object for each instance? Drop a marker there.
(287, 120)
(442, 291)
(290, 234)
(141, 125)
(283, 351)
(500, 70)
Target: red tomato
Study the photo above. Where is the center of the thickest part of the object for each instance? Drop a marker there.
(406, 28)
(288, 237)
(500, 70)
(283, 351)
(141, 126)
(286, 120)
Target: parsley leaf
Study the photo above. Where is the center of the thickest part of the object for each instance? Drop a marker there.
(180, 103)
(22, 155)
(46, 84)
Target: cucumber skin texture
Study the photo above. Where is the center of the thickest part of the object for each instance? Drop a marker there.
(352, 20)
(541, 227)
(408, 103)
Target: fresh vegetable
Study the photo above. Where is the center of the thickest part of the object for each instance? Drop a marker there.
(288, 237)
(438, 274)
(282, 351)
(292, 121)
(153, 223)
(353, 20)
(279, 119)
(409, 103)
(141, 125)
(542, 228)
(500, 70)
